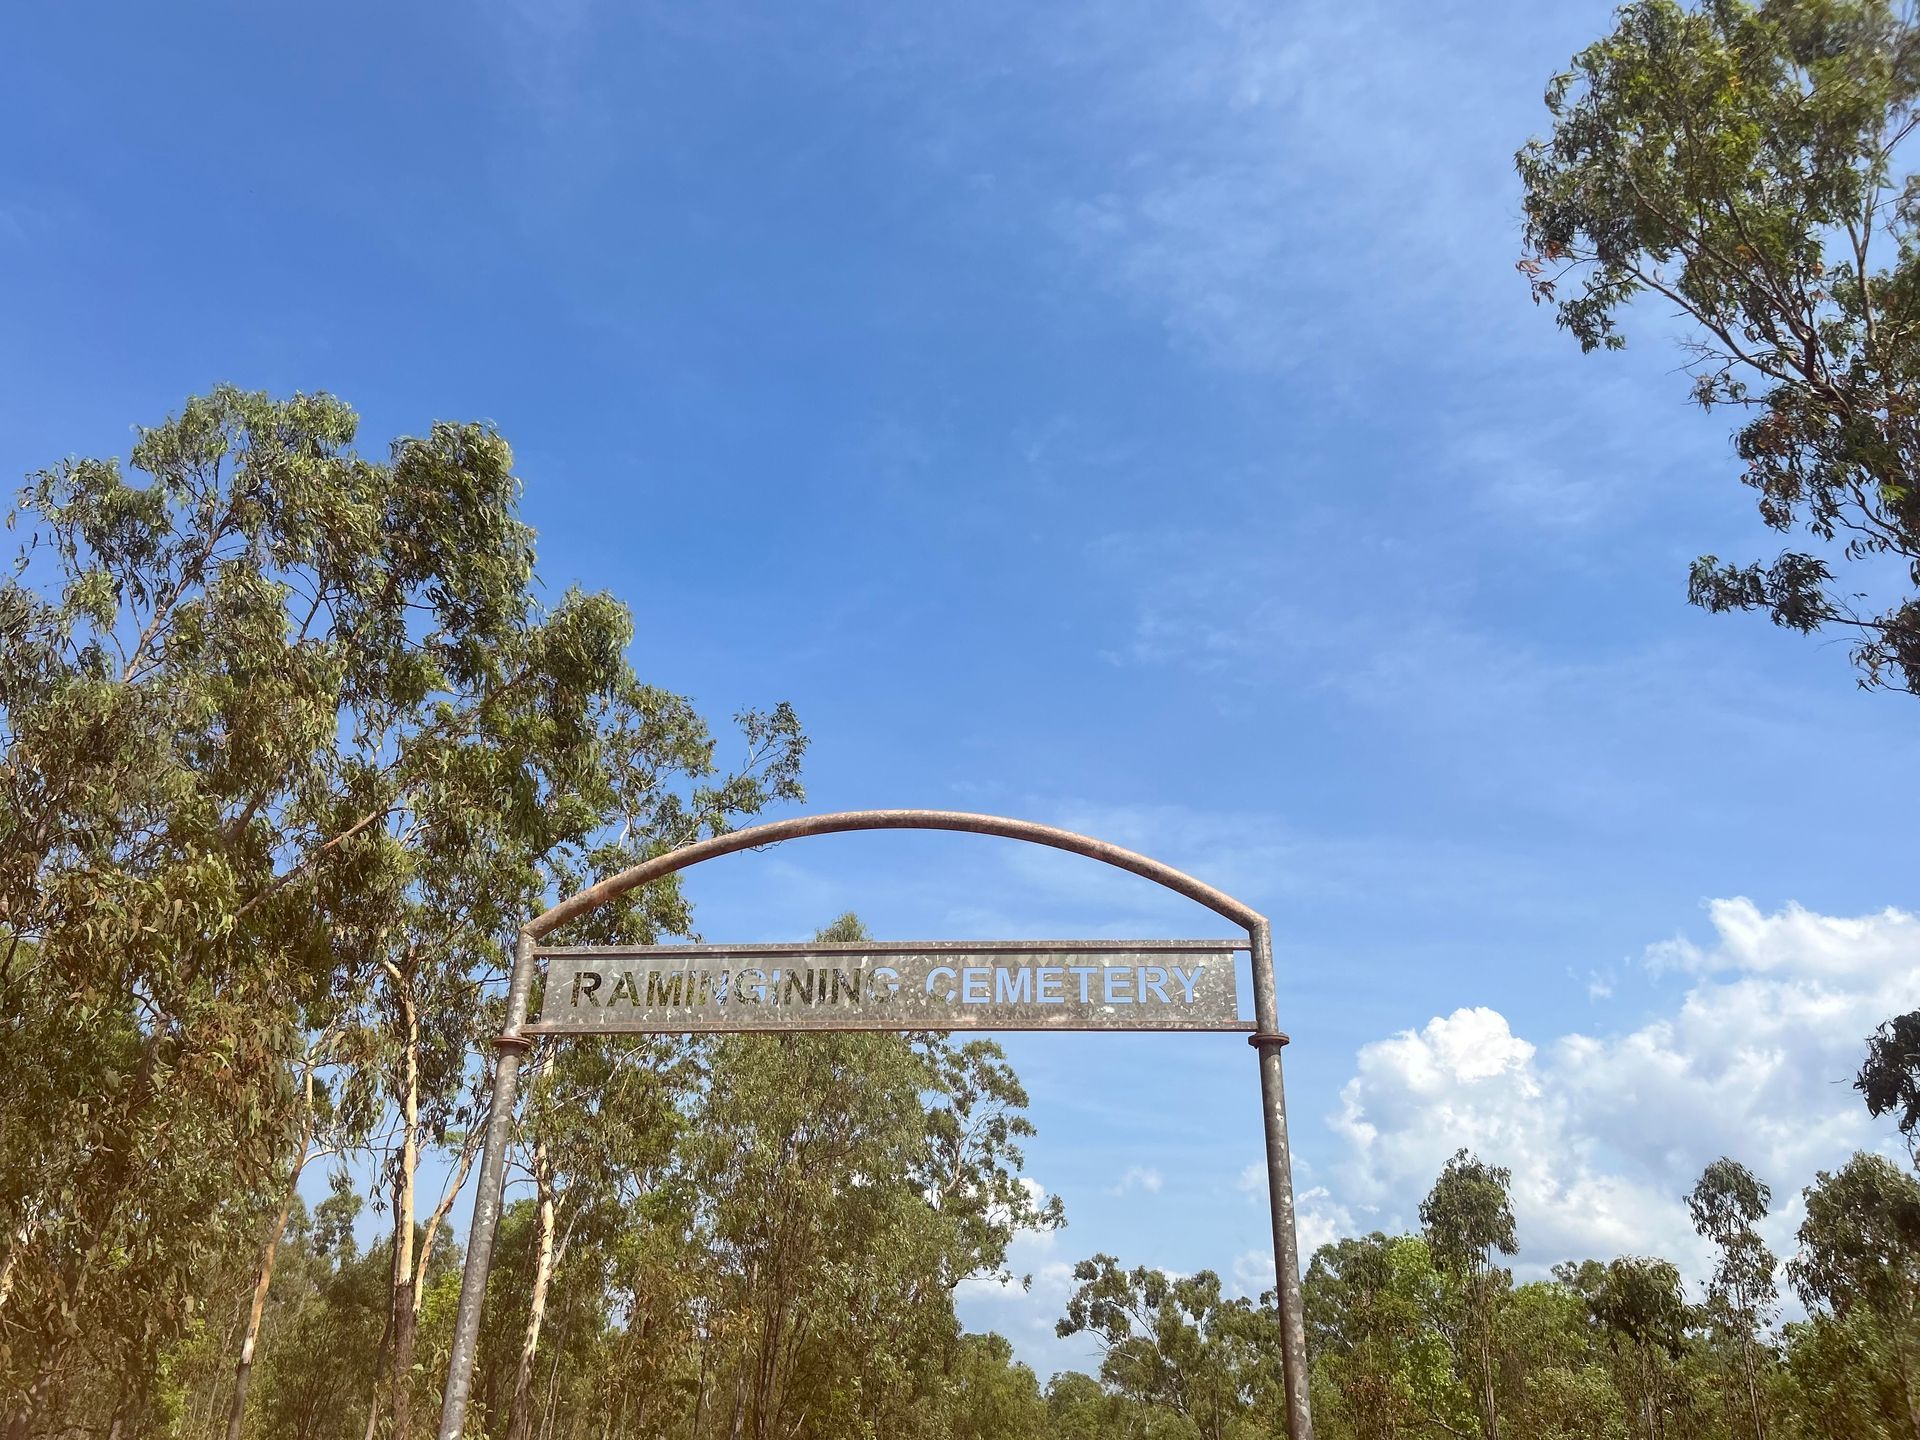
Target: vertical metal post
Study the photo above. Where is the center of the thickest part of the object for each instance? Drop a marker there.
(488, 1189)
(1269, 1041)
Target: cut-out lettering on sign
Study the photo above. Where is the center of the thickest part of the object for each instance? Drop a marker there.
(957, 985)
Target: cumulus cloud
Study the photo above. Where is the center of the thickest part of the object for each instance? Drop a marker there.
(1605, 1133)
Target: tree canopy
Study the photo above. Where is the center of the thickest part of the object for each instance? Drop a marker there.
(1742, 162)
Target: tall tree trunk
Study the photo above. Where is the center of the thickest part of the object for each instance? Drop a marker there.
(1753, 1387)
(469, 1148)
(739, 1425)
(700, 1392)
(379, 1381)
(553, 1390)
(1489, 1409)
(263, 1280)
(520, 1415)
(405, 1316)
(243, 1368)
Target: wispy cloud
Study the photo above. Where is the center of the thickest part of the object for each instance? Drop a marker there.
(542, 47)
(1246, 192)
(1138, 1177)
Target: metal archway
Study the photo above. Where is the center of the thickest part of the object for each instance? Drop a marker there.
(512, 1044)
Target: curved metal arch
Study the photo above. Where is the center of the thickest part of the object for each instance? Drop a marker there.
(512, 1045)
(846, 821)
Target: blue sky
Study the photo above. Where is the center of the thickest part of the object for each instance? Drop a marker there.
(1118, 414)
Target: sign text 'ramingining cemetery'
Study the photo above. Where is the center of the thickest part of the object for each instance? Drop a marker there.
(992, 985)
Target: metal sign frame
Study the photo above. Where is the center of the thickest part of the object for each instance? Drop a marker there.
(901, 987)
(518, 1035)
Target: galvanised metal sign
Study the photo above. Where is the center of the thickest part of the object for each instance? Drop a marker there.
(939, 985)
(931, 985)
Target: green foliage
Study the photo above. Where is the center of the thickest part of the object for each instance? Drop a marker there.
(1468, 1220)
(1889, 1080)
(1843, 1377)
(1555, 1379)
(290, 750)
(1637, 1307)
(1384, 1366)
(1745, 162)
(1860, 1246)
(1742, 1295)
(1738, 161)
(1178, 1344)
(999, 1399)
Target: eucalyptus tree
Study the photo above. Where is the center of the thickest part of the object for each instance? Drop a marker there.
(602, 1126)
(1889, 1078)
(970, 1165)
(325, 1129)
(1468, 1222)
(182, 665)
(801, 1155)
(1742, 1295)
(840, 1186)
(1859, 1268)
(291, 748)
(1637, 1304)
(1080, 1408)
(1385, 1368)
(577, 772)
(652, 1361)
(994, 1396)
(326, 1309)
(1175, 1342)
(1835, 1381)
(1743, 165)
(1557, 1379)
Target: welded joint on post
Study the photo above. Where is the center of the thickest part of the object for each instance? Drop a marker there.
(1262, 1037)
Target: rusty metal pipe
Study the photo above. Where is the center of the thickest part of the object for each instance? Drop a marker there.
(1269, 1041)
(800, 826)
(488, 1192)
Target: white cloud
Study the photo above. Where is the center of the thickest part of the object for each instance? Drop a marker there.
(1138, 1177)
(1027, 1316)
(1276, 183)
(1606, 1133)
(1319, 1220)
(1253, 1272)
(1241, 196)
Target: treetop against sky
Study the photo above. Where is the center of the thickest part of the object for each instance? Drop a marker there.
(1119, 415)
